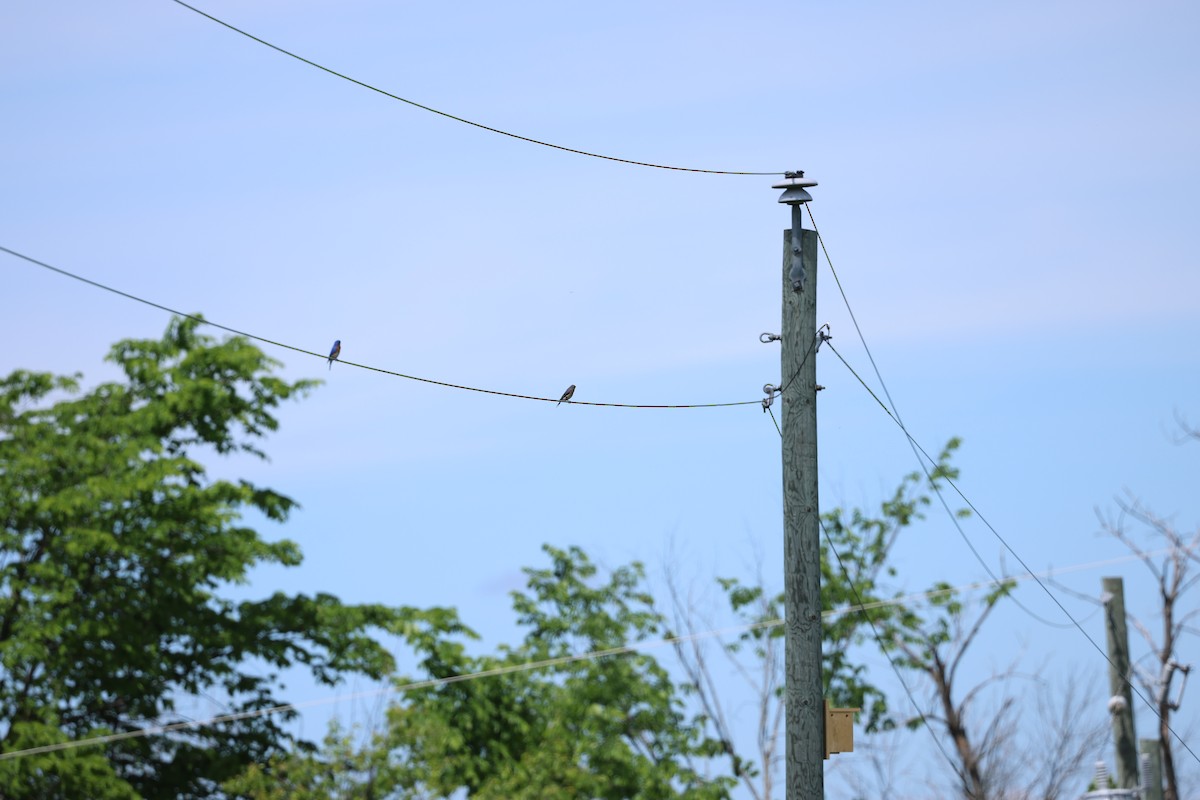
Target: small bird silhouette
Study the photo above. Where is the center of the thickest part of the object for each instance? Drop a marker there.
(567, 395)
(334, 352)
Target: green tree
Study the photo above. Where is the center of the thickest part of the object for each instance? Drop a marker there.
(612, 728)
(856, 570)
(115, 546)
(616, 727)
(341, 770)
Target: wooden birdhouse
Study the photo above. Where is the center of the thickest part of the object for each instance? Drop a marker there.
(839, 729)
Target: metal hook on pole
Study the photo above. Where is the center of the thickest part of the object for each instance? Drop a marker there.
(823, 336)
(771, 390)
(767, 338)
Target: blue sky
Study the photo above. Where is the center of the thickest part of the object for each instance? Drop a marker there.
(1007, 192)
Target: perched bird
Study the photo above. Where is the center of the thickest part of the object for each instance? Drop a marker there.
(567, 395)
(334, 352)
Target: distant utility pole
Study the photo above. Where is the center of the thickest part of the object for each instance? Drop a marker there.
(805, 733)
(1151, 769)
(1119, 676)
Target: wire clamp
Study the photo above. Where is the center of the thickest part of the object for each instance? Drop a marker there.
(823, 336)
(771, 391)
(767, 338)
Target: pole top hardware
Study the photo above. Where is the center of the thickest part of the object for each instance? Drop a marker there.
(794, 188)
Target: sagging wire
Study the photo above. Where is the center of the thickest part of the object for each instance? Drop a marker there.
(327, 357)
(479, 125)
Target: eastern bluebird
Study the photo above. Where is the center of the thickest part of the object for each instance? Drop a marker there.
(336, 351)
(567, 395)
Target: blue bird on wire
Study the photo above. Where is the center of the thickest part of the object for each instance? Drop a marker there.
(335, 352)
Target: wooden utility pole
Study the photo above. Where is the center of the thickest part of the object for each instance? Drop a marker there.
(1119, 676)
(805, 733)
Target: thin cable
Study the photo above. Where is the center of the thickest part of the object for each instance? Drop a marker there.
(408, 687)
(915, 444)
(323, 357)
(415, 104)
(813, 346)
(969, 587)
(846, 301)
(950, 513)
(895, 414)
(883, 648)
(929, 477)
(527, 666)
(978, 584)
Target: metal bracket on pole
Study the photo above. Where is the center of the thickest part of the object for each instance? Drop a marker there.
(796, 273)
(771, 391)
(795, 194)
(823, 336)
(767, 338)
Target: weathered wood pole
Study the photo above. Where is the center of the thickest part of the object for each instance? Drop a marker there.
(805, 714)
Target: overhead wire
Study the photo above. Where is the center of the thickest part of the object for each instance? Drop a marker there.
(423, 107)
(895, 414)
(1074, 622)
(991, 583)
(774, 392)
(429, 683)
(813, 346)
(526, 666)
(916, 445)
(860, 606)
(883, 648)
(202, 320)
(775, 421)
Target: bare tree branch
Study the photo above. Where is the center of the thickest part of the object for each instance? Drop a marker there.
(1173, 581)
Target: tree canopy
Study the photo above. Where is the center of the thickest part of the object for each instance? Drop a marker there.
(607, 727)
(116, 552)
(118, 549)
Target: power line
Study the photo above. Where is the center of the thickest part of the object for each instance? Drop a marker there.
(415, 104)
(497, 671)
(967, 587)
(324, 356)
(408, 687)
(775, 421)
(993, 581)
(883, 648)
(916, 445)
(777, 391)
(953, 517)
(895, 414)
